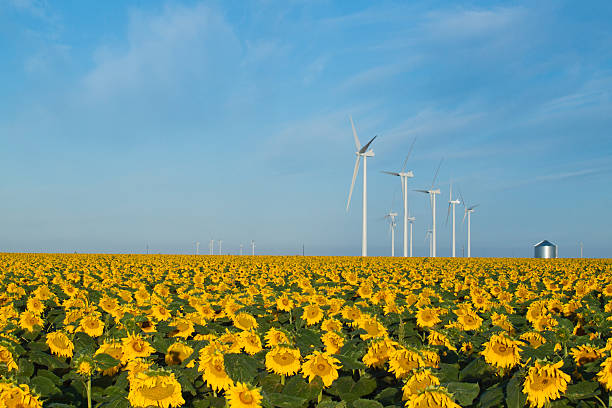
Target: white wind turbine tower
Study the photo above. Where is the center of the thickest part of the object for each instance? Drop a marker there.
(392, 224)
(468, 213)
(197, 247)
(432, 198)
(241, 246)
(452, 203)
(220, 242)
(411, 220)
(404, 175)
(253, 247)
(428, 236)
(365, 153)
(211, 247)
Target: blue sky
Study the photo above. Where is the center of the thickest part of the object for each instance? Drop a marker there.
(126, 123)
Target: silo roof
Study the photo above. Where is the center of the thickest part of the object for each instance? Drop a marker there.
(544, 243)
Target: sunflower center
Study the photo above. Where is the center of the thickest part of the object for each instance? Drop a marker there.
(138, 346)
(158, 392)
(246, 397)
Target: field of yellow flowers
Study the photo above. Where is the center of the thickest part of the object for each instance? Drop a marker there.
(115, 331)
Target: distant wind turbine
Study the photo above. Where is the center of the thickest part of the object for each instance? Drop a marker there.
(468, 212)
(220, 242)
(362, 151)
(452, 203)
(428, 236)
(432, 198)
(404, 175)
(392, 224)
(241, 246)
(197, 247)
(411, 220)
(253, 247)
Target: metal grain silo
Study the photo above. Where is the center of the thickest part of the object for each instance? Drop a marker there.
(545, 249)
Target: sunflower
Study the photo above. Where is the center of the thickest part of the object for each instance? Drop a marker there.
(115, 350)
(321, 365)
(535, 339)
(331, 325)
(372, 327)
(35, 306)
(275, 337)
(332, 341)
(403, 361)
(436, 397)
(379, 352)
(135, 346)
(427, 317)
(28, 321)
(436, 338)
(283, 360)
(18, 397)
(544, 383)
(243, 396)
(84, 368)
(182, 328)
(160, 312)
(584, 354)
(430, 358)
(6, 357)
(351, 313)
(251, 342)
(92, 325)
(312, 314)
(60, 344)
(284, 304)
(245, 321)
(501, 351)
(136, 366)
(177, 353)
(155, 388)
(418, 382)
(214, 372)
(470, 321)
(605, 375)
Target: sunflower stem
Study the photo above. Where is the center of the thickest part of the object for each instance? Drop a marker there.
(600, 401)
(320, 397)
(89, 391)
(290, 317)
(282, 380)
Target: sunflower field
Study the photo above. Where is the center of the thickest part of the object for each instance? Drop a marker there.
(111, 331)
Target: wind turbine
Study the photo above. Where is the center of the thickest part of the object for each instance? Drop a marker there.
(362, 151)
(403, 175)
(220, 242)
(428, 235)
(452, 203)
(392, 224)
(411, 220)
(253, 247)
(197, 247)
(468, 212)
(241, 246)
(432, 198)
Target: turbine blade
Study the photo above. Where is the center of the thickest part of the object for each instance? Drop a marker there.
(365, 148)
(353, 182)
(436, 175)
(461, 198)
(450, 194)
(447, 214)
(408, 155)
(357, 143)
(464, 215)
(422, 191)
(474, 206)
(390, 172)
